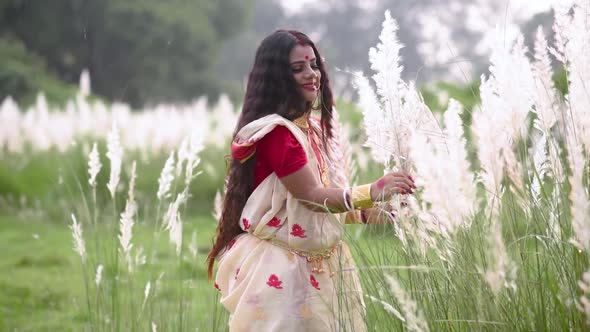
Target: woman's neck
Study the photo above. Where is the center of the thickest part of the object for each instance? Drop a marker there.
(303, 121)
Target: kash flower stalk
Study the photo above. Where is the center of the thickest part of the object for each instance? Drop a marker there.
(580, 198)
(502, 271)
(449, 186)
(79, 245)
(173, 222)
(94, 165)
(98, 277)
(127, 220)
(396, 111)
(414, 318)
(115, 155)
(166, 178)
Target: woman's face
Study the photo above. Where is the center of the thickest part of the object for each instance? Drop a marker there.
(305, 70)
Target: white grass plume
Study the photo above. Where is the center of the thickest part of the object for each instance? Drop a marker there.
(414, 318)
(373, 120)
(125, 232)
(457, 147)
(166, 178)
(115, 155)
(417, 236)
(490, 140)
(192, 246)
(449, 187)
(11, 137)
(193, 160)
(183, 155)
(540, 165)
(546, 101)
(547, 108)
(584, 304)
(173, 222)
(501, 272)
(350, 165)
(334, 153)
(217, 206)
(85, 83)
(98, 276)
(557, 172)
(385, 60)
(511, 70)
(131, 189)
(392, 118)
(507, 99)
(388, 307)
(561, 17)
(577, 51)
(79, 245)
(146, 293)
(127, 221)
(94, 165)
(382, 115)
(579, 197)
(573, 36)
(139, 258)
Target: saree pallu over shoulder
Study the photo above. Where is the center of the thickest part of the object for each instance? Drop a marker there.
(290, 271)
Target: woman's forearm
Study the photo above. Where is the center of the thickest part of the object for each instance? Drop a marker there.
(304, 186)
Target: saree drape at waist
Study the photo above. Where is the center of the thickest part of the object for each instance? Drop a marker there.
(269, 288)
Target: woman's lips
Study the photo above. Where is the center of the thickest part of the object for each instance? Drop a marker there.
(310, 87)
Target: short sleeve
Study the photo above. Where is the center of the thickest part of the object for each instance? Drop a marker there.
(281, 151)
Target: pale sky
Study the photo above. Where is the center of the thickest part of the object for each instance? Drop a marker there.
(530, 7)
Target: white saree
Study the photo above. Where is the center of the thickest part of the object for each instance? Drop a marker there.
(290, 271)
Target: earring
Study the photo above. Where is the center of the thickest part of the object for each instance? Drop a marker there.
(317, 103)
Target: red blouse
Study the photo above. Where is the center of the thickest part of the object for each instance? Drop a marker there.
(278, 152)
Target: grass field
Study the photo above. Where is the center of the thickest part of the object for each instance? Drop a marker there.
(42, 283)
(495, 238)
(41, 280)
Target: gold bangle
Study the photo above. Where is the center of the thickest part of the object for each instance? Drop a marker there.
(361, 197)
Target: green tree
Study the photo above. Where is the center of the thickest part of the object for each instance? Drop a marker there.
(23, 74)
(138, 51)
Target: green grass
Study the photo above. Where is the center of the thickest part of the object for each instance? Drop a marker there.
(42, 284)
(54, 179)
(42, 281)
(38, 290)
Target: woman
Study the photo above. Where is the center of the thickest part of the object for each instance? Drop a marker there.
(281, 263)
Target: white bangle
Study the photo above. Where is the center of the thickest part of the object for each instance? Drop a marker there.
(345, 198)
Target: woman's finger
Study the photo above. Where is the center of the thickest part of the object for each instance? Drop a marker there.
(406, 180)
(404, 187)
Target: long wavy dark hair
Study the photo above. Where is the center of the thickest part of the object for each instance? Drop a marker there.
(271, 89)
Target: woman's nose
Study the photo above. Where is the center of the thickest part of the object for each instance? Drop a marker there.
(310, 73)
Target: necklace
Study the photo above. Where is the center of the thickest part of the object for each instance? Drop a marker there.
(302, 121)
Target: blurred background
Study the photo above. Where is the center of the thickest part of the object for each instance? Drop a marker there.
(171, 75)
(165, 70)
(150, 52)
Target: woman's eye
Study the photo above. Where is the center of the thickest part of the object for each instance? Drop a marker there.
(297, 70)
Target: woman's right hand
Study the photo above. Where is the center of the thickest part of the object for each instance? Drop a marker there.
(390, 184)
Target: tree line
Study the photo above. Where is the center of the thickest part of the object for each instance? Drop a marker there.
(137, 51)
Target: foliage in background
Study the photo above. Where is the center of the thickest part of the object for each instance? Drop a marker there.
(37, 178)
(23, 74)
(136, 51)
(517, 260)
